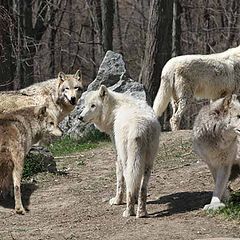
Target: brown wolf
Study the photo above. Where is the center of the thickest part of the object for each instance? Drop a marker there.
(202, 76)
(19, 130)
(216, 140)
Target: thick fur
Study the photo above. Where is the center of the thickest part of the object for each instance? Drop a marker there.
(215, 140)
(201, 76)
(135, 131)
(65, 89)
(19, 130)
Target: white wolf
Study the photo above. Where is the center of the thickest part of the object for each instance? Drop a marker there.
(135, 130)
(66, 90)
(215, 140)
(202, 76)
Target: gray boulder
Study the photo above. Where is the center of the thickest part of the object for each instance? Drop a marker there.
(113, 74)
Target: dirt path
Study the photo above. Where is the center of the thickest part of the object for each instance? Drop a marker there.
(75, 205)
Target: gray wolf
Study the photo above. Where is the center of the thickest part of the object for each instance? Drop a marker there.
(135, 131)
(216, 140)
(66, 90)
(202, 76)
(19, 130)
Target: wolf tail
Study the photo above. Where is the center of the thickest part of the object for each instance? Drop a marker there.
(164, 94)
(135, 168)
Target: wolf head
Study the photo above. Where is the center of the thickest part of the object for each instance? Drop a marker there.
(70, 87)
(95, 105)
(228, 110)
(48, 120)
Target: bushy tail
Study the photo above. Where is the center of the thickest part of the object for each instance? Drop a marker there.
(135, 168)
(163, 96)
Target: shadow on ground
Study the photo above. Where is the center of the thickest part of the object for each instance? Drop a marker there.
(181, 202)
(26, 189)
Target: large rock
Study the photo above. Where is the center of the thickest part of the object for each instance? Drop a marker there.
(113, 74)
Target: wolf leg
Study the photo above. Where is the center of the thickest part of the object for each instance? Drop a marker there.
(221, 181)
(17, 173)
(129, 211)
(142, 211)
(118, 199)
(176, 117)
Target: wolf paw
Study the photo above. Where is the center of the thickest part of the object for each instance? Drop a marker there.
(214, 206)
(128, 213)
(115, 201)
(20, 210)
(142, 214)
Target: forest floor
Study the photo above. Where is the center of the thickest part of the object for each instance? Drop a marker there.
(74, 204)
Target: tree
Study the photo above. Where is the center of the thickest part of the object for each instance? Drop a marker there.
(158, 46)
(176, 29)
(7, 68)
(107, 24)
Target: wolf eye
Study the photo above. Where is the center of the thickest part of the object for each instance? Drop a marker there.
(67, 88)
(51, 123)
(93, 106)
(238, 116)
(78, 88)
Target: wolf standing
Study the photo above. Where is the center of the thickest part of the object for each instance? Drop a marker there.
(202, 76)
(215, 140)
(19, 130)
(135, 130)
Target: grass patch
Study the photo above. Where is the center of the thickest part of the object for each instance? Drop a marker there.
(68, 145)
(232, 209)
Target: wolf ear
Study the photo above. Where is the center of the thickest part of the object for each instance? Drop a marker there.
(78, 75)
(224, 106)
(103, 91)
(41, 111)
(226, 102)
(61, 76)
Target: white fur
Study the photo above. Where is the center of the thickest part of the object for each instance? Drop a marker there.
(215, 140)
(135, 130)
(200, 76)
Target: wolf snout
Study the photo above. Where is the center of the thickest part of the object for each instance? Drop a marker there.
(73, 100)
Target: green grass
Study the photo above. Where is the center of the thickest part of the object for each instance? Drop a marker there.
(232, 209)
(66, 145)
(34, 163)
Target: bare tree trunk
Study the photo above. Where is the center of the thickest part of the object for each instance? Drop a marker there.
(19, 78)
(29, 49)
(207, 27)
(107, 24)
(119, 27)
(7, 68)
(96, 16)
(176, 29)
(158, 46)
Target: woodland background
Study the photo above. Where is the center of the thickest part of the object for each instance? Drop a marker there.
(39, 38)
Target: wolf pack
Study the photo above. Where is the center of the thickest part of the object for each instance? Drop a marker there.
(29, 114)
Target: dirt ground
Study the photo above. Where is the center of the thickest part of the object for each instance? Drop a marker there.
(74, 203)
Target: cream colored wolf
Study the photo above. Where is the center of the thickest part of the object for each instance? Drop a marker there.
(135, 130)
(19, 130)
(202, 76)
(215, 140)
(65, 89)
